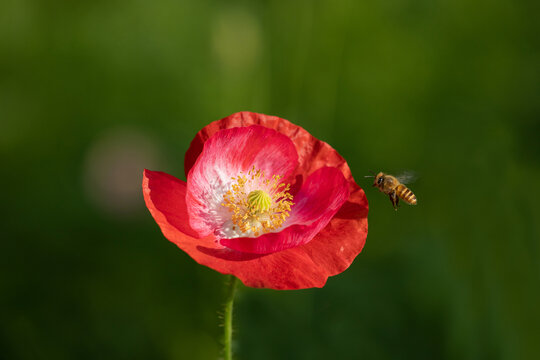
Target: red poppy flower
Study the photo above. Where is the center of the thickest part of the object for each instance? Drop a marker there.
(264, 201)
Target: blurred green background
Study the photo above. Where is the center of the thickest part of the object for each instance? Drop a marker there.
(92, 92)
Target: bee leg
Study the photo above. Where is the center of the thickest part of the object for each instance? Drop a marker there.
(394, 199)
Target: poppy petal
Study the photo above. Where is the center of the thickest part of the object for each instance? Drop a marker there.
(165, 197)
(301, 267)
(319, 199)
(330, 252)
(226, 155)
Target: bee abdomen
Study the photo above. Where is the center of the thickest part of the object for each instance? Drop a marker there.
(406, 194)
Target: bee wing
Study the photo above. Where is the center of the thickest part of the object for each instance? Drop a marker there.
(407, 177)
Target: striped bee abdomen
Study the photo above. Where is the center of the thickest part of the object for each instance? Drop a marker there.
(406, 194)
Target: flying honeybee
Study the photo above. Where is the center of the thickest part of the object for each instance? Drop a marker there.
(394, 188)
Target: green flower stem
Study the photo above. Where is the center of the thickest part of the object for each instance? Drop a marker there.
(227, 316)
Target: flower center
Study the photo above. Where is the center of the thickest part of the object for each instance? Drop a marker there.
(258, 204)
(258, 200)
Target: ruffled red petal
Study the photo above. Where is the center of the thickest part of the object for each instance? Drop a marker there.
(226, 155)
(306, 266)
(319, 199)
(329, 253)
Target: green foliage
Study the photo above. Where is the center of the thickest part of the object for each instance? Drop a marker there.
(447, 89)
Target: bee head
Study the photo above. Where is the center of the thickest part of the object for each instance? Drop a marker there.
(379, 179)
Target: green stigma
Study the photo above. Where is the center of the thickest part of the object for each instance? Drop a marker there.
(259, 200)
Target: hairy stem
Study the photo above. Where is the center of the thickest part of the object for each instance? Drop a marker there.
(230, 284)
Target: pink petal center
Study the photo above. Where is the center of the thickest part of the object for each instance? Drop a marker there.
(319, 199)
(226, 155)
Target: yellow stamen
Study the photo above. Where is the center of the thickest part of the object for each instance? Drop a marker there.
(258, 204)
